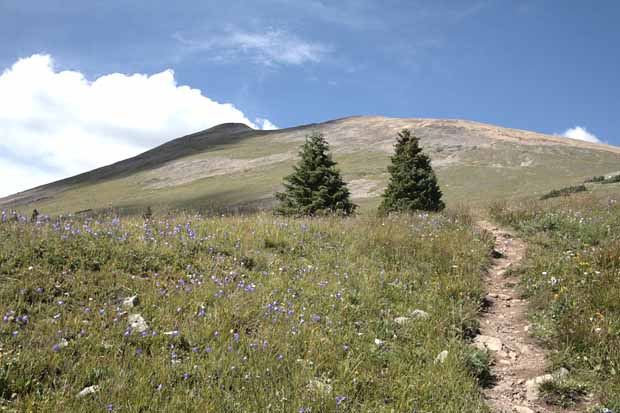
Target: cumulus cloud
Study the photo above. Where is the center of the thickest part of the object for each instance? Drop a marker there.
(582, 134)
(55, 124)
(265, 124)
(272, 47)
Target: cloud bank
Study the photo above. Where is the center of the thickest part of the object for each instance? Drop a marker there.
(55, 124)
(582, 134)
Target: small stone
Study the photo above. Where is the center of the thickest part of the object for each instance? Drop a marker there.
(523, 409)
(401, 321)
(504, 297)
(487, 342)
(415, 314)
(137, 323)
(441, 357)
(131, 302)
(88, 391)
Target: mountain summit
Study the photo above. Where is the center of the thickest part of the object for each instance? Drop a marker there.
(234, 165)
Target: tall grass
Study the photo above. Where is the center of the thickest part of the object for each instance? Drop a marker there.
(244, 314)
(572, 276)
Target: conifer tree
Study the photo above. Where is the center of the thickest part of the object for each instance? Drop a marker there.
(315, 187)
(413, 184)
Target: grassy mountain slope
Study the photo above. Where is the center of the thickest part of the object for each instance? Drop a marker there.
(233, 165)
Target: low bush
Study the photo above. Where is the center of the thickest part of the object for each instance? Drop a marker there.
(564, 191)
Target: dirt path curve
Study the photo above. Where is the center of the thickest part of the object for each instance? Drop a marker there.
(504, 326)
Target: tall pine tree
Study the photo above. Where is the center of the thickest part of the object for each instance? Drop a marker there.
(315, 187)
(413, 184)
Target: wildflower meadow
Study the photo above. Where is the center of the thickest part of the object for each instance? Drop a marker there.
(251, 313)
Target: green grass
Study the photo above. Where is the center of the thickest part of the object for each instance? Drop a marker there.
(271, 314)
(572, 277)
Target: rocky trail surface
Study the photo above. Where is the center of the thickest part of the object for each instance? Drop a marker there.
(520, 364)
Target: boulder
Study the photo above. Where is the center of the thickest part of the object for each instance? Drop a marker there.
(137, 323)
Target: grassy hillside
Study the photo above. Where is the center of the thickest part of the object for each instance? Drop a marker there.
(241, 314)
(572, 278)
(232, 165)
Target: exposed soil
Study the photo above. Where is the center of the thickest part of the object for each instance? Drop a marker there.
(504, 331)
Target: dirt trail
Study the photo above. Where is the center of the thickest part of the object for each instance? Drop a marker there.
(504, 332)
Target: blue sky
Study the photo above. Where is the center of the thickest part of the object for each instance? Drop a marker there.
(545, 66)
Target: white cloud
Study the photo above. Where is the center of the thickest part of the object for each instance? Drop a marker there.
(582, 134)
(56, 124)
(270, 48)
(265, 124)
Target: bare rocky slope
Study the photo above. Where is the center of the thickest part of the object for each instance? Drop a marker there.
(234, 165)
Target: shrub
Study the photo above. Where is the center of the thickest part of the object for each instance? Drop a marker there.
(611, 180)
(564, 191)
(563, 393)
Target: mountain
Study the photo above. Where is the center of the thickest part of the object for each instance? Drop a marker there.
(232, 165)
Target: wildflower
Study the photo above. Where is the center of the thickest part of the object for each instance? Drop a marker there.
(280, 357)
(208, 349)
(56, 347)
(340, 399)
(138, 351)
(186, 376)
(110, 407)
(15, 333)
(236, 337)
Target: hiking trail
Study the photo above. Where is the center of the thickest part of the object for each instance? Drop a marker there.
(520, 363)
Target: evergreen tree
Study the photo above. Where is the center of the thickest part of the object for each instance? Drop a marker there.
(315, 186)
(413, 184)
